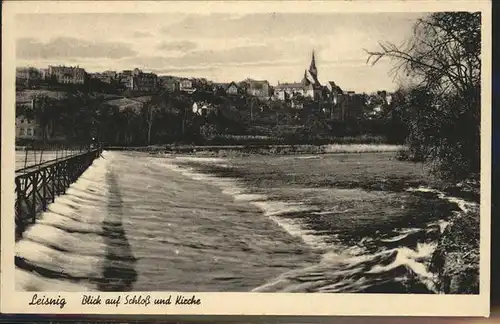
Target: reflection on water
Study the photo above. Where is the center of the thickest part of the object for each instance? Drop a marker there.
(144, 223)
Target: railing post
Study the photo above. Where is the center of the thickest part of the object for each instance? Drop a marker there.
(57, 176)
(44, 189)
(33, 194)
(65, 175)
(53, 180)
(19, 209)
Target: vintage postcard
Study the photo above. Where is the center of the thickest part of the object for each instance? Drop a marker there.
(246, 158)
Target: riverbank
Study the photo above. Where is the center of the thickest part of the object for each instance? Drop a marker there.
(456, 258)
(245, 150)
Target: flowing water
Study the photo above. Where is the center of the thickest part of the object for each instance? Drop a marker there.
(139, 222)
(27, 158)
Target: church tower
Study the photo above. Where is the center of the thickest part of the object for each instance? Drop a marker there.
(311, 84)
(311, 75)
(312, 68)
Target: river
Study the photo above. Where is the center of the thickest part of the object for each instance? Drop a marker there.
(138, 222)
(27, 158)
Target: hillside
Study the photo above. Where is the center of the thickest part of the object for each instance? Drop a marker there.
(125, 103)
(29, 94)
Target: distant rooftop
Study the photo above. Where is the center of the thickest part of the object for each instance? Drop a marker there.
(289, 85)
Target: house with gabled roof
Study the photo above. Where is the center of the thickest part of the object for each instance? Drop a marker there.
(256, 88)
(233, 89)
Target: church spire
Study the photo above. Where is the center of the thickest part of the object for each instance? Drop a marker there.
(312, 68)
(313, 71)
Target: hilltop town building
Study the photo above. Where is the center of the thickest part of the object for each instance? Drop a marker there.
(170, 84)
(28, 73)
(28, 76)
(219, 86)
(332, 99)
(313, 88)
(125, 78)
(353, 103)
(256, 88)
(333, 88)
(67, 74)
(232, 89)
(137, 80)
(147, 82)
(44, 74)
(110, 74)
(187, 85)
(106, 76)
(27, 129)
(284, 91)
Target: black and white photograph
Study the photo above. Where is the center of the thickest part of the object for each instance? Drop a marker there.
(266, 151)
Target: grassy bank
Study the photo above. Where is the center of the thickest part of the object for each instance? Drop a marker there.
(243, 150)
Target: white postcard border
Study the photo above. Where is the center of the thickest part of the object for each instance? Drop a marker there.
(244, 303)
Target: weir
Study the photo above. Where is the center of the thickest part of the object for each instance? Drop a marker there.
(39, 185)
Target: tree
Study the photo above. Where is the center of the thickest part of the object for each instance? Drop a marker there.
(443, 109)
(45, 113)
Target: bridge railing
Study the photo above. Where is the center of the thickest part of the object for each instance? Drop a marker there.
(38, 185)
(38, 153)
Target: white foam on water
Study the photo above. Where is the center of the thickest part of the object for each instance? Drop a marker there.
(408, 230)
(276, 207)
(91, 224)
(395, 238)
(229, 186)
(330, 212)
(250, 197)
(198, 176)
(307, 157)
(173, 167)
(340, 264)
(45, 233)
(341, 256)
(402, 233)
(412, 259)
(95, 184)
(442, 224)
(85, 250)
(271, 209)
(464, 205)
(72, 242)
(61, 209)
(76, 265)
(200, 159)
(29, 281)
(232, 191)
(295, 228)
(225, 183)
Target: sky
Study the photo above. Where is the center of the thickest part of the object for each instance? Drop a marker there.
(221, 47)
